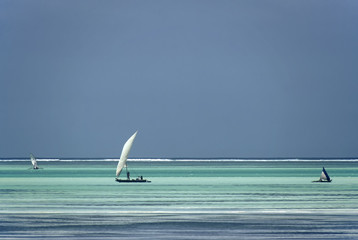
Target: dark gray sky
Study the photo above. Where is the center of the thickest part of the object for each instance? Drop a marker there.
(243, 78)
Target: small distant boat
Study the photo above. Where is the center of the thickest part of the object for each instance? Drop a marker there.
(324, 177)
(123, 162)
(34, 162)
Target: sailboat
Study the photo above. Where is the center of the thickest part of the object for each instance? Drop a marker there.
(122, 163)
(33, 161)
(324, 177)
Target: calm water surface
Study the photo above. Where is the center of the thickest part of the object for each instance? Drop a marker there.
(187, 199)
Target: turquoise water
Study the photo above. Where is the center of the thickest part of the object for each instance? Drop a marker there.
(187, 199)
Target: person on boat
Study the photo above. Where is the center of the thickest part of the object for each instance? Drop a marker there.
(128, 175)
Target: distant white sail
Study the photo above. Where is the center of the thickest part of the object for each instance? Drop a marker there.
(324, 176)
(33, 161)
(124, 156)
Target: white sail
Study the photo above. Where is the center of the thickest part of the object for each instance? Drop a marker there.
(33, 161)
(124, 156)
(323, 176)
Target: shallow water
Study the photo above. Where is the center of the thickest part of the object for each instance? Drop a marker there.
(187, 199)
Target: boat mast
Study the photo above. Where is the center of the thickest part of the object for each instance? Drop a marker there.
(128, 173)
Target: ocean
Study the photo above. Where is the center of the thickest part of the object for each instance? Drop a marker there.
(186, 199)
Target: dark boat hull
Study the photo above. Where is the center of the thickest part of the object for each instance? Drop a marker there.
(323, 181)
(133, 180)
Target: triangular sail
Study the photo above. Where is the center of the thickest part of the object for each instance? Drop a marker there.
(33, 161)
(124, 156)
(324, 175)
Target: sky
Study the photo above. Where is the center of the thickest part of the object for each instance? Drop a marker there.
(196, 78)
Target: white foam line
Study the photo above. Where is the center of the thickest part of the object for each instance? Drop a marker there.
(180, 160)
